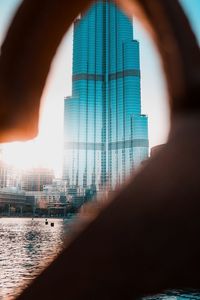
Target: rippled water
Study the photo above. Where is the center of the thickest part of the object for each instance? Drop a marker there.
(175, 295)
(27, 245)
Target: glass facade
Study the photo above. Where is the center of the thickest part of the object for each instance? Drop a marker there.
(105, 135)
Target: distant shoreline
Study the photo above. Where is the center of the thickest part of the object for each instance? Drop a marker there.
(38, 217)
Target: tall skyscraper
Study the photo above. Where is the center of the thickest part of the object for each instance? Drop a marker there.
(105, 134)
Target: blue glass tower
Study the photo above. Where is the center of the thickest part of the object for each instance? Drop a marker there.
(105, 134)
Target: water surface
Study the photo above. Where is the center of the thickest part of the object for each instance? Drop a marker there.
(27, 245)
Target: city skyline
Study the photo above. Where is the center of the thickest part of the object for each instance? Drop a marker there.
(47, 148)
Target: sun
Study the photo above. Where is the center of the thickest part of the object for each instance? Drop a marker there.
(23, 154)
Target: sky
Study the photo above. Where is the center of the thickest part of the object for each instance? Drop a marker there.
(46, 149)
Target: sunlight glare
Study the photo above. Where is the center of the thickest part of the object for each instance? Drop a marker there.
(46, 150)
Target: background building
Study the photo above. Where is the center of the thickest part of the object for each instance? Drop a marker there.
(3, 175)
(36, 178)
(9, 176)
(105, 134)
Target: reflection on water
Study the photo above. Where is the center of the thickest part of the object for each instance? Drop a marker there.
(176, 295)
(27, 245)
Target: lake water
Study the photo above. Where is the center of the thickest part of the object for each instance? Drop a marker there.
(27, 245)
